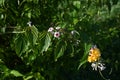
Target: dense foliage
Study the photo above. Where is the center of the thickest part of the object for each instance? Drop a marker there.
(30, 51)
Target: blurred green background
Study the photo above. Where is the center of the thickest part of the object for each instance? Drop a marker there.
(31, 53)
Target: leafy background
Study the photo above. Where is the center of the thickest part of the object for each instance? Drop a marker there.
(31, 53)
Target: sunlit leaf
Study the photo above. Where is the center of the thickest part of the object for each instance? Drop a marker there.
(46, 43)
(16, 73)
(2, 2)
(29, 77)
(77, 4)
(41, 35)
(32, 34)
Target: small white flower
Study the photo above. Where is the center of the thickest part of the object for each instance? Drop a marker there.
(57, 28)
(72, 32)
(50, 29)
(101, 66)
(94, 66)
(29, 23)
(57, 34)
(98, 65)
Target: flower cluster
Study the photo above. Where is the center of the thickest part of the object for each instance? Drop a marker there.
(94, 54)
(94, 58)
(55, 31)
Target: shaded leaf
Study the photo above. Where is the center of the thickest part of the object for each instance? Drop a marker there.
(115, 10)
(20, 44)
(59, 50)
(84, 58)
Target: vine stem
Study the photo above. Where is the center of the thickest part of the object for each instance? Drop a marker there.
(102, 75)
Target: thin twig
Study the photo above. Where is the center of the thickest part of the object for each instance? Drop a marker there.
(102, 75)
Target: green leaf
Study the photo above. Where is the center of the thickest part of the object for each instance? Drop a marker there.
(29, 77)
(2, 2)
(16, 73)
(33, 1)
(115, 10)
(59, 50)
(41, 41)
(47, 43)
(77, 4)
(35, 33)
(71, 49)
(29, 14)
(42, 35)
(3, 67)
(20, 44)
(32, 34)
(84, 58)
